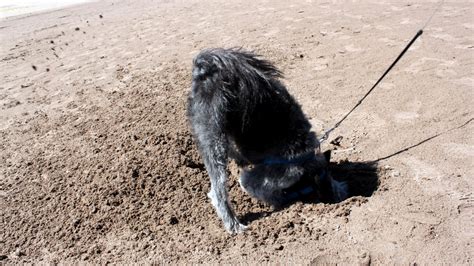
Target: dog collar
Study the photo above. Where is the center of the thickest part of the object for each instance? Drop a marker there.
(296, 160)
(305, 191)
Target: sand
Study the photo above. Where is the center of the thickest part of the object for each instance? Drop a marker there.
(97, 163)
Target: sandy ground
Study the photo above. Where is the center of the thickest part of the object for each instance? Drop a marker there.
(97, 163)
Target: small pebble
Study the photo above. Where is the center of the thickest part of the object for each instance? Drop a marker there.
(174, 220)
(17, 253)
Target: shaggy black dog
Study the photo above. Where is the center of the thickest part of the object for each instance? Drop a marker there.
(239, 109)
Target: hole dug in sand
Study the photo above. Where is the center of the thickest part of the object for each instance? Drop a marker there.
(362, 179)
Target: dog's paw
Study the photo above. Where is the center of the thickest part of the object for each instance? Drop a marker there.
(236, 227)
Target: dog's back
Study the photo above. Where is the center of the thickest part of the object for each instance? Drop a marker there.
(264, 118)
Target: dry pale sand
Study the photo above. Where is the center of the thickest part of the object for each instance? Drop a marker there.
(97, 164)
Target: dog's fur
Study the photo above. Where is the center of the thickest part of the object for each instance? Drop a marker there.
(239, 109)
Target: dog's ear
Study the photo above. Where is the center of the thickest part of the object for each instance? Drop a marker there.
(327, 156)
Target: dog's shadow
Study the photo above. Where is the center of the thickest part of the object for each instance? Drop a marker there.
(362, 179)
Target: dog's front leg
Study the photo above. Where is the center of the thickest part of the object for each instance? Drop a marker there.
(214, 148)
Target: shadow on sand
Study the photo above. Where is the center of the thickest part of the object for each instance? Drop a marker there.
(361, 178)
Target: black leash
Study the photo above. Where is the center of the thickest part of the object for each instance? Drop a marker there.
(421, 142)
(418, 34)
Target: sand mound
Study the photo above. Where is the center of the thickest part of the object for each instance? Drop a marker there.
(125, 179)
